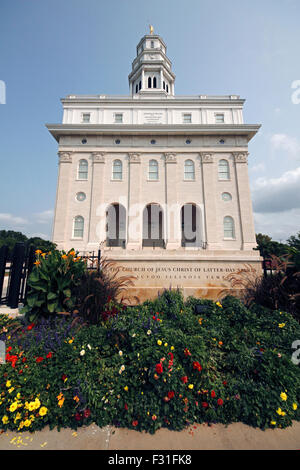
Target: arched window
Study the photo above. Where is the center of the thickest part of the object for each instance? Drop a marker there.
(83, 170)
(189, 170)
(153, 170)
(140, 85)
(223, 170)
(136, 88)
(167, 88)
(154, 82)
(78, 227)
(164, 85)
(149, 82)
(228, 227)
(117, 170)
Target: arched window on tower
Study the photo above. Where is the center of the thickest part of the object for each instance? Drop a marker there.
(149, 82)
(136, 88)
(167, 88)
(82, 173)
(164, 85)
(140, 85)
(189, 170)
(223, 170)
(153, 170)
(154, 82)
(117, 170)
(228, 224)
(78, 226)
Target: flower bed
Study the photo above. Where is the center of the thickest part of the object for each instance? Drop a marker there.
(154, 365)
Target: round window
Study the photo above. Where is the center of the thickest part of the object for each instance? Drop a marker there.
(153, 142)
(80, 197)
(188, 141)
(222, 141)
(117, 141)
(84, 141)
(226, 197)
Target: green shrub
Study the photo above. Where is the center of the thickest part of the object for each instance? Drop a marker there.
(52, 282)
(154, 365)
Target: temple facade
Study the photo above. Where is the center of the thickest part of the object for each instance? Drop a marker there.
(159, 181)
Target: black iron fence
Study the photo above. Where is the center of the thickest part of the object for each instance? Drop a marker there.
(14, 272)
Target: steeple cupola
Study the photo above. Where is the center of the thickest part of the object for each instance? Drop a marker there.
(151, 74)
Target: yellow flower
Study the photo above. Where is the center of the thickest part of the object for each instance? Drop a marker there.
(295, 406)
(27, 423)
(13, 407)
(71, 341)
(159, 342)
(8, 383)
(191, 386)
(219, 304)
(5, 419)
(281, 325)
(37, 403)
(11, 390)
(61, 402)
(273, 423)
(126, 388)
(31, 406)
(166, 344)
(43, 411)
(172, 348)
(283, 396)
(280, 412)
(76, 398)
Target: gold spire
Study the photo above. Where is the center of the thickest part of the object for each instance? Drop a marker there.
(151, 29)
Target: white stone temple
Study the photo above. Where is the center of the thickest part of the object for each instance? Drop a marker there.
(159, 181)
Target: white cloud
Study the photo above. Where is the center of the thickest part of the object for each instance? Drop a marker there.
(44, 217)
(12, 220)
(277, 194)
(287, 143)
(258, 167)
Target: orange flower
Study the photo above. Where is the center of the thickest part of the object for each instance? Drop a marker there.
(220, 343)
(38, 252)
(64, 256)
(37, 263)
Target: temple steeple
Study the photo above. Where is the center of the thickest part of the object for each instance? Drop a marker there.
(151, 74)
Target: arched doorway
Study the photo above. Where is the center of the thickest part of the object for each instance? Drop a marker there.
(116, 225)
(153, 226)
(191, 227)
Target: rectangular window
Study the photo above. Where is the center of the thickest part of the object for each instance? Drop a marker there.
(86, 117)
(119, 118)
(219, 118)
(152, 44)
(187, 118)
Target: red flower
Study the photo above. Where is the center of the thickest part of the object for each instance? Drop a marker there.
(78, 416)
(9, 349)
(224, 383)
(184, 379)
(49, 355)
(135, 423)
(126, 406)
(171, 356)
(159, 368)
(24, 359)
(220, 401)
(171, 394)
(39, 359)
(29, 327)
(187, 352)
(20, 371)
(213, 394)
(204, 404)
(63, 377)
(87, 413)
(197, 366)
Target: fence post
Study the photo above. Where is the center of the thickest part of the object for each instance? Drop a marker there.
(30, 262)
(18, 258)
(3, 260)
(99, 261)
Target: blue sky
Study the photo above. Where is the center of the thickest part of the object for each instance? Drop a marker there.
(52, 48)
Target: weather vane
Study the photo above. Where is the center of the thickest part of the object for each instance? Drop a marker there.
(151, 29)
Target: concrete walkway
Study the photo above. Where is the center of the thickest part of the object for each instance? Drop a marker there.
(236, 436)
